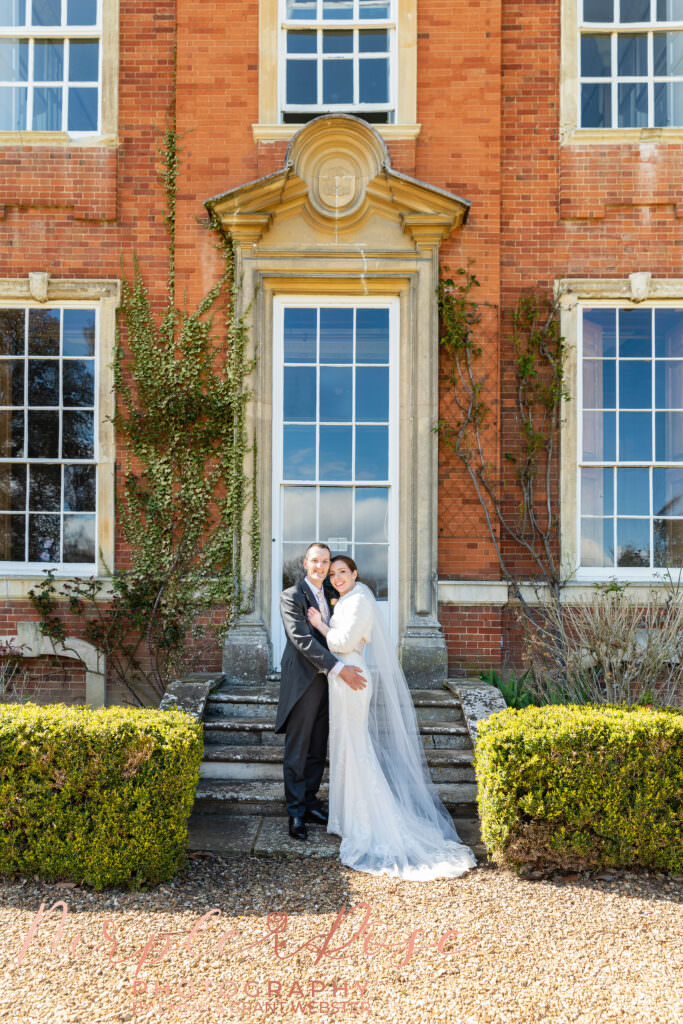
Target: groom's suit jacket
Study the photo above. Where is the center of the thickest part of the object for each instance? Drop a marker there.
(306, 654)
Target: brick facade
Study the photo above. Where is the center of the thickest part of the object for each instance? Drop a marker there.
(488, 97)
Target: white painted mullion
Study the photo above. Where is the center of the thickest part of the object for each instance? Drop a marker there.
(650, 80)
(615, 79)
(319, 63)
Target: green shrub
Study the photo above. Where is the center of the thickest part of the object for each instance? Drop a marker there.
(582, 787)
(99, 797)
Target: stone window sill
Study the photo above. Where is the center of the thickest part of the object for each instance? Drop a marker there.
(285, 132)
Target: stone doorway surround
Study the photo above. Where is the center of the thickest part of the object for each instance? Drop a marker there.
(337, 220)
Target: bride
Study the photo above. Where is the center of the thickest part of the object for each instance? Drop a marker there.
(382, 801)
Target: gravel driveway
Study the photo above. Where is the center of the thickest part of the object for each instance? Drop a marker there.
(492, 947)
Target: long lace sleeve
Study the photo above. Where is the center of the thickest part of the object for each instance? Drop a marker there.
(352, 623)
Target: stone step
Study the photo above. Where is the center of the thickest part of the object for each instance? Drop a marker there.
(267, 798)
(261, 702)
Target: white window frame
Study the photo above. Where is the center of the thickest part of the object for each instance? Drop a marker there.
(280, 302)
(614, 30)
(309, 111)
(106, 32)
(103, 297)
(575, 296)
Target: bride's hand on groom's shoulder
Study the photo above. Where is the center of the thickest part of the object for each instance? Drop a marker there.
(314, 617)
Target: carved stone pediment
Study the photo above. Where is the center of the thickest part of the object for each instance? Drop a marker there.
(338, 180)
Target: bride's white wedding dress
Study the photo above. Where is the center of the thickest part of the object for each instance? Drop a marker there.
(382, 801)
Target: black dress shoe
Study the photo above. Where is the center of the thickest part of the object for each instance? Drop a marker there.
(316, 816)
(297, 829)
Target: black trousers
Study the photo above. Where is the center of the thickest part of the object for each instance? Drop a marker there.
(306, 731)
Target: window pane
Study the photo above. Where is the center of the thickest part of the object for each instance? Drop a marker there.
(45, 488)
(78, 384)
(43, 435)
(632, 105)
(373, 42)
(633, 542)
(668, 332)
(371, 10)
(373, 565)
(82, 110)
(84, 60)
(13, 60)
(669, 10)
(373, 81)
(336, 504)
(372, 336)
(336, 335)
(43, 538)
(337, 42)
(372, 394)
(292, 559)
(335, 453)
(667, 491)
(635, 328)
(669, 384)
(43, 332)
(669, 104)
(47, 110)
(78, 441)
(79, 488)
(632, 55)
(13, 109)
(12, 323)
(668, 541)
(635, 384)
(302, 42)
(298, 513)
(599, 332)
(337, 81)
(669, 436)
(12, 382)
(337, 10)
(12, 488)
(43, 382)
(48, 60)
(633, 492)
(596, 56)
(668, 53)
(299, 393)
(372, 453)
(302, 81)
(597, 492)
(46, 12)
(12, 13)
(372, 505)
(335, 394)
(599, 444)
(598, 10)
(298, 453)
(81, 12)
(11, 434)
(12, 538)
(634, 10)
(300, 335)
(79, 538)
(597, 542)
(635, 436)
(596, 106)
(79, 332)
(599, 384)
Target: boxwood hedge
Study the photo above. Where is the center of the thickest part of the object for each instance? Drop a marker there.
(98, 797)
(576, 787)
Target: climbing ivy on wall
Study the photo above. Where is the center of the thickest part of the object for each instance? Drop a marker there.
(186, 499)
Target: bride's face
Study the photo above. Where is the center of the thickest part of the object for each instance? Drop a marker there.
(341, 577)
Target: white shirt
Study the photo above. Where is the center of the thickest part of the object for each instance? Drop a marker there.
(321, 601)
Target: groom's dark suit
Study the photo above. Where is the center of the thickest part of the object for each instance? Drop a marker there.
(302, 711)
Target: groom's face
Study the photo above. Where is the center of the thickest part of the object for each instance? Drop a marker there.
(317, 565)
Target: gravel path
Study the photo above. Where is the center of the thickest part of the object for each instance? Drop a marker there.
(573, 948)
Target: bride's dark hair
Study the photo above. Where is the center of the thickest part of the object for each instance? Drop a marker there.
(347, 560)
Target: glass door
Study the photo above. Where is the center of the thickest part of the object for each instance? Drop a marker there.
(335, 442)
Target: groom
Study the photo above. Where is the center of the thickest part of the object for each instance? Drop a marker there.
(302, 709)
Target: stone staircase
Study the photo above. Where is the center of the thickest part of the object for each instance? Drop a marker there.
(241, 773)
